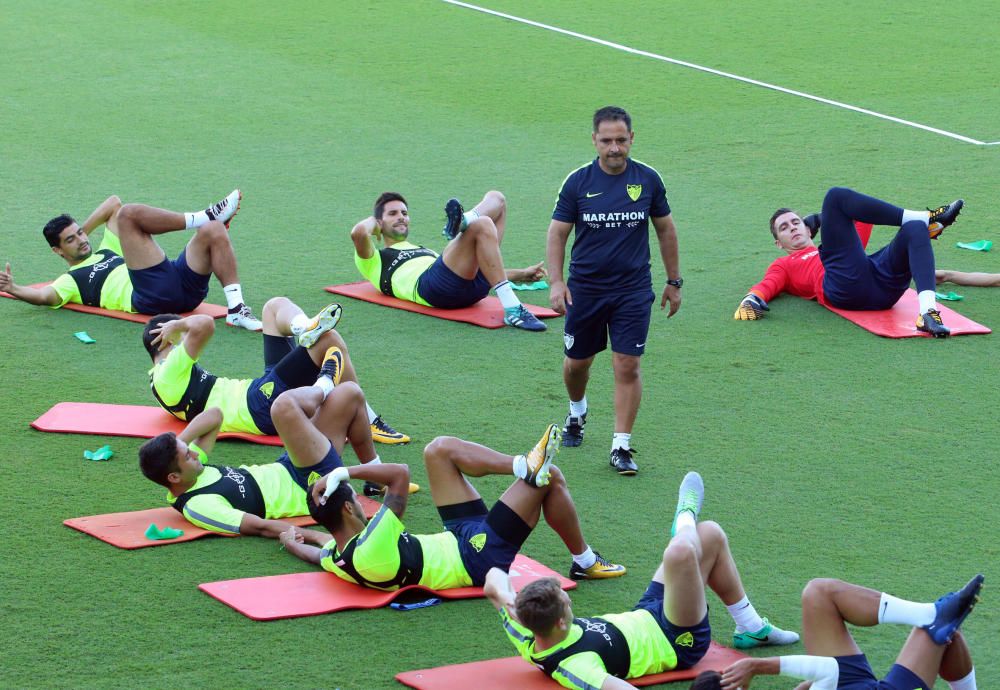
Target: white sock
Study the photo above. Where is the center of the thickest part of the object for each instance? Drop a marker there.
(469, 217)
(909, 215)
(300, 323)
(620, 440)
(967, 683)
(745, 615)
(894, 610)
(686, 519)
(578, 408)
(505, 293)
(195, 220)
(585, 559)
(325, 384)
(375, 461)
(520, 468)
(927, 299)
(371, 414)
(234, 295)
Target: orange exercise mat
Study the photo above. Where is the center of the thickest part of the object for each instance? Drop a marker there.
(137, 421)
(487, 312)
(216, 311)
(515, 672)
(901, 320)
(311, 594)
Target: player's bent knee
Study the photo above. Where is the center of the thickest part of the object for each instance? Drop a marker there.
(331, 339)
(497, 196)
(128, 218)
(711, 531)
(214, 231)
(274, 305)
(556, 477)
(439, 449)
(818, 590)
(680, 553)
(283, 406)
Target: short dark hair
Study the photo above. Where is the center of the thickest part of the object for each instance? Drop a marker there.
(612, 113)
(157, 457)
(774, 216)
(330, 514)
(54, 228)
(707, 680)
(383, 199)
(151, 325)
(539, 606)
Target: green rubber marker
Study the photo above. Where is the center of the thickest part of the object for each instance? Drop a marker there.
(537, 285)
(83, 337)
(157, 534)
(978, 246)
(949, 297)
(102, 453)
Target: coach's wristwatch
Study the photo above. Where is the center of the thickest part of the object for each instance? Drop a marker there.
(676, 283)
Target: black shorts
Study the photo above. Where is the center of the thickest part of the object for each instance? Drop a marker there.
(443, 288)
(304, 476)
(856, 674)
(295, 369)
(485, 539)
(169, 286)
(690, 644)
(593, 317)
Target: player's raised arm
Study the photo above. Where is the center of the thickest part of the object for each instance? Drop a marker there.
(102, 214)
(43, 297)
(364, 235)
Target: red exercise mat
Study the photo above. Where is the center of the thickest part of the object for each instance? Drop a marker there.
(216, 311)
(311, 594)
(487, 312)
(128, 530)
(137, 421)
(901, 320)
(515, 672)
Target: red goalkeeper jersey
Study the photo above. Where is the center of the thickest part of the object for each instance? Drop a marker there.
(801, 273)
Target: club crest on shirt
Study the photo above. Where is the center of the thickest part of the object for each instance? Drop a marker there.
(568, 341)
(634, 190)
(267, 389)
(684, 640)
(478, 541)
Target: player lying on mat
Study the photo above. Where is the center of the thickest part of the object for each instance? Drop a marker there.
(183, 388)
(382, 555)
(667, 629)
(934, 647)
(459, 277)
(129, 271)
(838, 273)
(313, 422)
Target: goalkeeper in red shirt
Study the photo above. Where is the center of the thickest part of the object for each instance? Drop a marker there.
(839, 273)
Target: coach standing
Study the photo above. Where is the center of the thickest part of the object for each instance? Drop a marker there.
(610, 201)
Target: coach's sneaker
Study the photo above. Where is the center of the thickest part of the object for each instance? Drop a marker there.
(453, 226)
(930, 322)
(520, 317)
(766, 636)
(622, 462)
(951, 610)
(943, 216)
(325, 320)
(241, 316)
(333, 365)
(372, 490)
(533, 468)
(602, 569)
(813, 221)
(225, 209)
(572, 433)
(690, 497)
(383, 433)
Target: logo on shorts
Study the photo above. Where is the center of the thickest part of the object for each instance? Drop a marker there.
(684, 640)
(313, 477)
(634, 190)
(568, 341)
(478, 541)
(267, 389)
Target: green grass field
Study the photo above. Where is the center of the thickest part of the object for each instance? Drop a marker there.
(826, 451)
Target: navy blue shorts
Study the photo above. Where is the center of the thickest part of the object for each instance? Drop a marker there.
(169, 286)
(593, 317)
(443, 288)
(294, 370)
(862, 283)
(302, 475)
(485, 540)
(690, 644)
(856, 674)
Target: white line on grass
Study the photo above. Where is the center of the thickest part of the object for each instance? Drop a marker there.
(728, 75)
